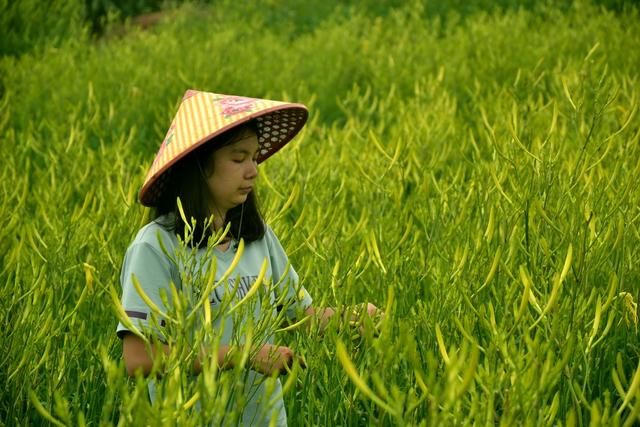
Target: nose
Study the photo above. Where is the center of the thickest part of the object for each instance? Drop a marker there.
(252, 170)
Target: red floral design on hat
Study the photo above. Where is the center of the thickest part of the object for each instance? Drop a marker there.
(235, 104)
(188, 94)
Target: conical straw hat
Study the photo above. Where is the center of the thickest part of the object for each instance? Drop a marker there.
(204, 115)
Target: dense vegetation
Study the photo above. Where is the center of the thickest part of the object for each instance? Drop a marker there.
(472, 169)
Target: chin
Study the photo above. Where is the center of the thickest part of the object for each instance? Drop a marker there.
(239, 201)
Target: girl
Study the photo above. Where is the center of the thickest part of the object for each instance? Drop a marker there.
(209, 160)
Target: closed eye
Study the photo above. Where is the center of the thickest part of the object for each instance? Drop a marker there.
(243, 152)
(240, 161)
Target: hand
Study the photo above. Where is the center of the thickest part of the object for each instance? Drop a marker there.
(376, 315)
(372, 311)
(272, 359)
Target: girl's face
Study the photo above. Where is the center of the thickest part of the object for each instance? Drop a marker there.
(231, 172)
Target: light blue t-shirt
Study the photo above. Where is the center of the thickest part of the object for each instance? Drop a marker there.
(155, 268)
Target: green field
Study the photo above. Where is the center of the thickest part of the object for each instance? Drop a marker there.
(472, 167)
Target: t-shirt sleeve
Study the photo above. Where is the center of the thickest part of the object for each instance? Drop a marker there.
(153, 270)
(297, 298)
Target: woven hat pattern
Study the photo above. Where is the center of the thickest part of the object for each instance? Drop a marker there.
(205, 115)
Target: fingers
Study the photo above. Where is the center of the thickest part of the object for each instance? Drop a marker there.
(373, 317)
(289, 360)
(371, 309)
(276, 360)
(286, 359)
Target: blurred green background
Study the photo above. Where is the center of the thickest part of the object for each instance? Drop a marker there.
(445, 139)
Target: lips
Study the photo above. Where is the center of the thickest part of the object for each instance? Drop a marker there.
(245, 189)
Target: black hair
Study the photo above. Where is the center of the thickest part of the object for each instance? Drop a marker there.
(186, 181)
